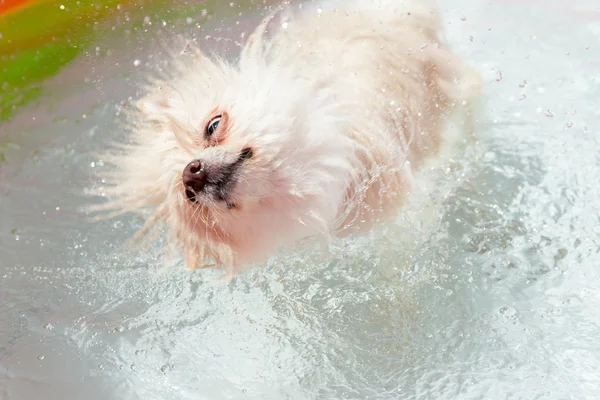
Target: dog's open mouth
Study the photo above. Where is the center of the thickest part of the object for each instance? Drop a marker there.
(213, 184)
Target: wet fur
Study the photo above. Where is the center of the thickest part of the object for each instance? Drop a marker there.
(339, 108)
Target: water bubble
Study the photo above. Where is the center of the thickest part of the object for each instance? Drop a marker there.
(118, 225)
(48, 326)
(549, 114)
(508, 311)
(523, 84)
(498, 76)
(40, 357)
(165, 368)
(137, 63)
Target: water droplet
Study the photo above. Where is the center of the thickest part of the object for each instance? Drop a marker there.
(166, 368)
(62, 7)
(40, 357)
(498, 76)
(118, 225)
(48, 326)
(137, 63)
(489, 156)
(549, 114)
(523, 84)
(463, 18)
(508, 311)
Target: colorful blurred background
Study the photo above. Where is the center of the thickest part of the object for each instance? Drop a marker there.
(40, 37)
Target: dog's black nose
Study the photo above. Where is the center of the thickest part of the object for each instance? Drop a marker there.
(194, 179)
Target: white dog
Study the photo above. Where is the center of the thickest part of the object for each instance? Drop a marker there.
(314, 132)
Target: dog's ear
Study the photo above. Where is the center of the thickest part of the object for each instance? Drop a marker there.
(255, 48)
(156, 105)
(194, 51)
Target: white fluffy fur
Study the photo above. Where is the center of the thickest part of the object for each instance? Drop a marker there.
(337, 107)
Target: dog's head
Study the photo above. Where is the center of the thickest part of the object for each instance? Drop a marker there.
(247, 156)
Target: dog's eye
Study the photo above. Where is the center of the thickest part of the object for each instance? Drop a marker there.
(213, 125)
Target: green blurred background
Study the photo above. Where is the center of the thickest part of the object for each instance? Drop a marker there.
(39, 38)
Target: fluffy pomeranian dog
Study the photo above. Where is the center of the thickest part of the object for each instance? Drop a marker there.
(315, 131)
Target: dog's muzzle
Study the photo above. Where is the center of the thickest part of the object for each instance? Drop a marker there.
(194, 179)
